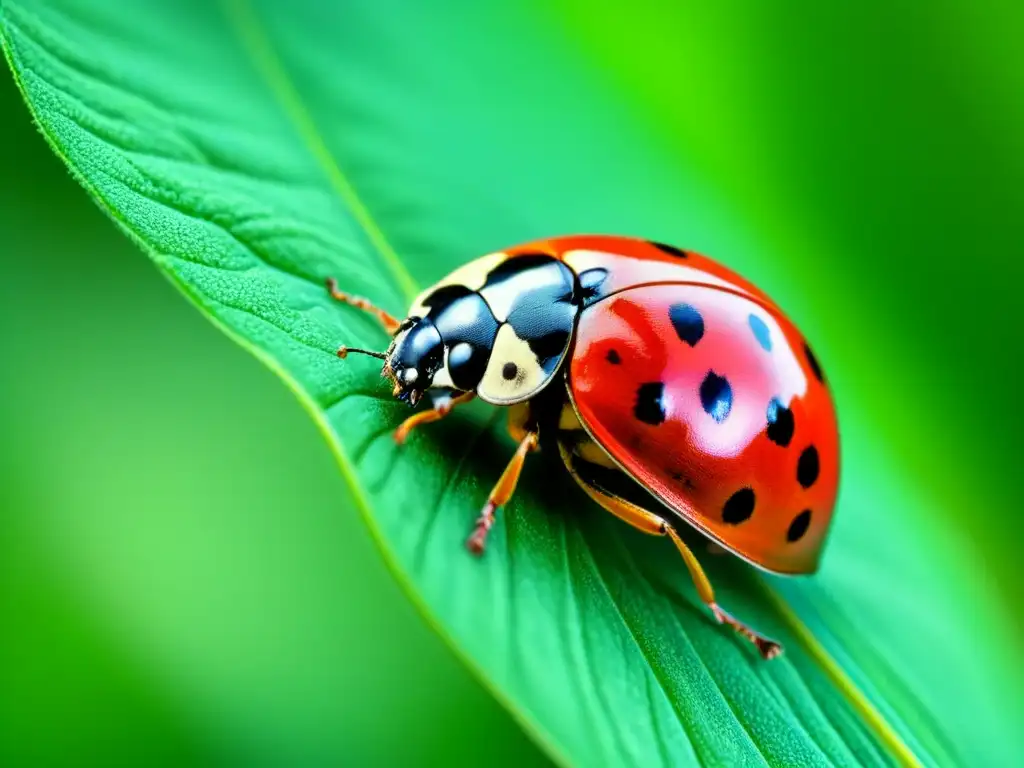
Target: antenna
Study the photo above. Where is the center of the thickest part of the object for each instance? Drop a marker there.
(343, 352)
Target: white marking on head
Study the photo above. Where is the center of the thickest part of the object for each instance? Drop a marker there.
(513, 372)
(501, 298)
(550, 277)
(472, 275)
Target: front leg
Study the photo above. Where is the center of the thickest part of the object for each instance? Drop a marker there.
(388, 321)
(442, 407)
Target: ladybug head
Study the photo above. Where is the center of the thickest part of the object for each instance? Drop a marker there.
(415, 361)
(411, 360)
(414, 356)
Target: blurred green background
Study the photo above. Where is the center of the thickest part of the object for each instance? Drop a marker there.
(181, 576)
(182, 580)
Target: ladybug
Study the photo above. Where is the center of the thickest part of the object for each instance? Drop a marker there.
(674, 390)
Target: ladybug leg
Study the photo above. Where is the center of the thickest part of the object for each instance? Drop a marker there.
(648, 522)
(501, 493)
(768, 648)
(389, 322)
(438, 412)
(520, 420)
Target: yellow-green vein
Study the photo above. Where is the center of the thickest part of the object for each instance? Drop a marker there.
(247, 25)
(886, 734)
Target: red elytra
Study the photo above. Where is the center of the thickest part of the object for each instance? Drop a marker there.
(707, 451)
(676, 370)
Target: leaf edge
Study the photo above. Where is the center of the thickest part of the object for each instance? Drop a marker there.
(539, 735)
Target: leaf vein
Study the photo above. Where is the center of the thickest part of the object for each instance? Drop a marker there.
(596, 690)
(662, 686)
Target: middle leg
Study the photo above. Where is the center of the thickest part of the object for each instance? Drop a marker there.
(501, 493)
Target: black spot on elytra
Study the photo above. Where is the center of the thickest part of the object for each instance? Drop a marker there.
(739, 507)
(807, 467)
(671, 250)
(509, 371)
(780, 423)
(761, 332)
(613, 357)
(716, 396)
(649, 407)
(799, 526)
(813, 362)
(688, 323)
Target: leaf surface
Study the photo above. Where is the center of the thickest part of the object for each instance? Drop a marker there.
(252, 149)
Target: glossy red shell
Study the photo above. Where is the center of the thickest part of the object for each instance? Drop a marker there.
(700, 388)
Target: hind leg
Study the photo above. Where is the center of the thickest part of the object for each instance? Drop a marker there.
(648, 522)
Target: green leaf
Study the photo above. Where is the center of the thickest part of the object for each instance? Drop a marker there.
(253, 148)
